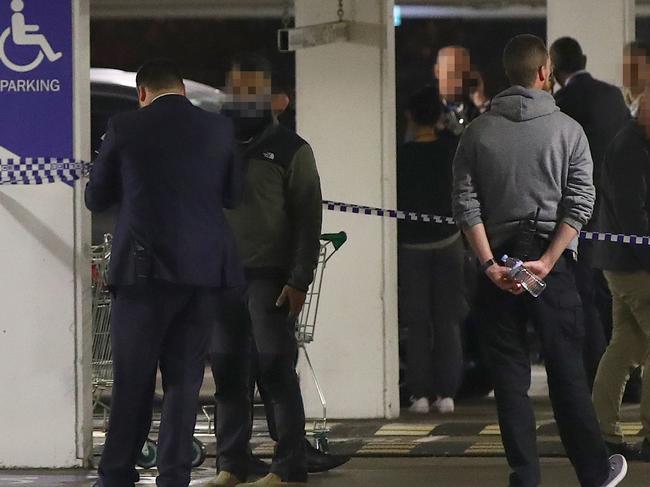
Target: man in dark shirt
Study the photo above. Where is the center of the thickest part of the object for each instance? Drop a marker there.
(636, 73)
(461, 89)
(430, 260)
(624, 209)
(601, 111)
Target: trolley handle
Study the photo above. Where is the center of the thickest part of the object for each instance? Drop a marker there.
(337, 239)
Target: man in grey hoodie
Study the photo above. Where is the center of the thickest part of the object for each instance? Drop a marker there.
(523, 187)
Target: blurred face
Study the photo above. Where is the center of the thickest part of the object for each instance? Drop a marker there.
(635, 70)
(249, 92)
(452, 70)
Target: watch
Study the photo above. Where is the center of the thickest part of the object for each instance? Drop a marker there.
(487, 264)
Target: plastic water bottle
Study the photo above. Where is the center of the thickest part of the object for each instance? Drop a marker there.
(518, 273)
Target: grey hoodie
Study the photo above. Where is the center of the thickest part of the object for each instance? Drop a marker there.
(522, 155)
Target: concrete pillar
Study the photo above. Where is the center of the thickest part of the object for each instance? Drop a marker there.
(602, 27)
(45, 412)
(346, 109)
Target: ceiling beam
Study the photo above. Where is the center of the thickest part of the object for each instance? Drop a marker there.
(477, 9)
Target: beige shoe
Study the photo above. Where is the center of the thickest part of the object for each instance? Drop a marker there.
(272, 480)
(224, 479)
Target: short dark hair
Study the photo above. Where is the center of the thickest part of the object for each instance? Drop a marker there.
(252, 62)
(567, 56)
(522, 58)
(639, 48)
(159, 74)
(425, 106)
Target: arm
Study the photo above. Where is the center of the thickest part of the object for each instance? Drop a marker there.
(234, 184)
(579, 195)
(564, 235)
(305, 205)
(103, 189)
(305, 209)
(466, 206)
(577, 205)
(498, 274)
(467, 212)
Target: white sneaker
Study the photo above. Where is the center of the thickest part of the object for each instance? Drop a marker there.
(420, 405)
(445, 405)
(617, 470)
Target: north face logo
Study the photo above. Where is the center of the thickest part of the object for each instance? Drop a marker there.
(269, 155)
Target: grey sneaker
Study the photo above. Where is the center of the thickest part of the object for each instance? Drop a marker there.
(617, 470)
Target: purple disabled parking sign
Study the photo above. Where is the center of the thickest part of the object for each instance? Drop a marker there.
(36, 78)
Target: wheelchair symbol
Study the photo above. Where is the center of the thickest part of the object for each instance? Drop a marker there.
(23, 34)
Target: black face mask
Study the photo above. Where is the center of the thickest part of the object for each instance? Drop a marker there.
(247, 125)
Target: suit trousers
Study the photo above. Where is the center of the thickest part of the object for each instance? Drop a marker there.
(628, 349)
(247, 315)
(557, 318)
(156, 324)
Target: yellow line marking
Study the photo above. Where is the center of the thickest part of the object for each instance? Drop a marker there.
(485, 447)
(403, 433)
(495, 430)
(409, 426)
(631, 429)
(405, 429)
(491, 430)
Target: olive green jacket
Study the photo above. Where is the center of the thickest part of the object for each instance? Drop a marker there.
(278, 224)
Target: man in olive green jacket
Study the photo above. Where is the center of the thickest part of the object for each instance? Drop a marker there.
(277, 228)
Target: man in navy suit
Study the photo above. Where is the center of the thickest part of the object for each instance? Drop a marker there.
(171, 168)
(601, 111)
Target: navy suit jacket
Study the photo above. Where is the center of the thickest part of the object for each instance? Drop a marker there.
(599, 108)
(171, 168)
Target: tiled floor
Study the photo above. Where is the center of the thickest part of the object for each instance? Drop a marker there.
(402, 472)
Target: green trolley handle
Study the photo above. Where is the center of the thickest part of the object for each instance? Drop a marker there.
(337, 239)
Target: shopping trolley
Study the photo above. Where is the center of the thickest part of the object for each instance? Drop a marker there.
(306, 326)
(102, 357)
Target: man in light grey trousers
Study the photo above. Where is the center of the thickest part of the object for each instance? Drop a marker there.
(523, 187)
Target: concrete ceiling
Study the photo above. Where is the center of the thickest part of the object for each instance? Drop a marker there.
(275, 8)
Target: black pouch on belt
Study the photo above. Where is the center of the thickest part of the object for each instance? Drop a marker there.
(142, 262)
(527, 245)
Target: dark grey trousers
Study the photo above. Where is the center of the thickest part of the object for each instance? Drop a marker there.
(253, 314)
(432, 305)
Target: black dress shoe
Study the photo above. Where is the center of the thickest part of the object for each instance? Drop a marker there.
(318, 462)
(630, 452)
(258, 467)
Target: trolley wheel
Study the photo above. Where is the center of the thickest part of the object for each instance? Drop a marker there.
(148, 457)
(199, 453)
(322, 444)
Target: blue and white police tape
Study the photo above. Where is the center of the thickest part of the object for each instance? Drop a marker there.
(445, 220)
(397, 214)
(42, 170)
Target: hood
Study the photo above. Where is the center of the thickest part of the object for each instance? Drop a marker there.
(520, 104)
